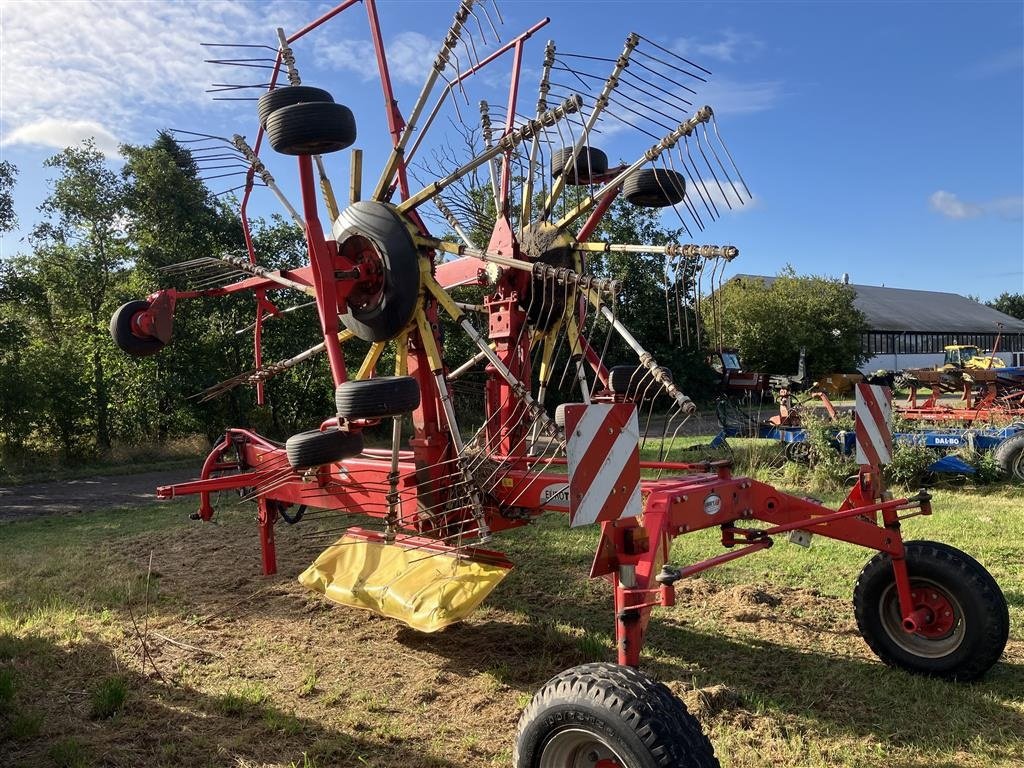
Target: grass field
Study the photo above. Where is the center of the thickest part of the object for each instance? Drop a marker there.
(247, 671)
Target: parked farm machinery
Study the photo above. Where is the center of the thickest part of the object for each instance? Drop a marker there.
(437, 502)
(788, 428)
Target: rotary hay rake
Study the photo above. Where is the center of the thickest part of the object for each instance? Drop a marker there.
(546, 323)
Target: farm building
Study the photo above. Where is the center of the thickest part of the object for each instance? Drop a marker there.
(910, 328)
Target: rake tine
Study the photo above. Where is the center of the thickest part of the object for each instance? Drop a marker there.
(700, 147)
(725, 173)
(703, 185)
(714, 123)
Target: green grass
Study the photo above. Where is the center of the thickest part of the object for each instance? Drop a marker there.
(763, 650)
(108, 697)
(69, 753)
(118, 460)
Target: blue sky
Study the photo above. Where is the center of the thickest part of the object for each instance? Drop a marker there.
(881, 139)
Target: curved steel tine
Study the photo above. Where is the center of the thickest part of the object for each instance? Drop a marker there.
(706, 192)
(700, 147)
(725, 173)
(721, 141)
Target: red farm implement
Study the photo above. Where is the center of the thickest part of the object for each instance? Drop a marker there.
(544, 325)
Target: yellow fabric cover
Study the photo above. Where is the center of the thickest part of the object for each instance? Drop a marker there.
(425, 590)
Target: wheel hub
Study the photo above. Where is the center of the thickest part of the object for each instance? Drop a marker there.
(368, 291)
(382, 289)
(578, 748)
(940, 614)
(939, 627)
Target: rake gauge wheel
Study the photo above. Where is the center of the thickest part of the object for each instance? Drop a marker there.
(377, 398)
(635, 382)
(609, 716)
(387, 291)
(590, 162)
(125, 332)
(655, 188)
(271, 101)
(966, 619)
(313, 128)
(315, 448)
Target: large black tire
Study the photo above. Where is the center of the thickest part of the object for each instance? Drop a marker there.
(655, 188)
(314, 128)
(634, 382)
(126, 340)
(316, 448)
(377, 398)
(1009, 456)
(271, 101)
(590, 162)
(379, 225)
(972, 621)
(609, 712)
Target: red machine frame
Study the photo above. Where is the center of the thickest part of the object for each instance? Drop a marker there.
(633, 553)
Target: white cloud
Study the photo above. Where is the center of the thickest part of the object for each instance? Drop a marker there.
(730, 97)
(729, 47)
(129, 66)
(410, 56)
(52, 132)
(952, 207)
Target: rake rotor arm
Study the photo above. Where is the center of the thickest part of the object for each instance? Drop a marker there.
(440, 62)
(536, 411)
(507, 143)
(647, 360)
(703, 115)
(450, 85)
(599, 105)
(684, 250)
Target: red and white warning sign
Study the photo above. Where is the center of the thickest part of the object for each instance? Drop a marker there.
(874, 419)
(603, 449)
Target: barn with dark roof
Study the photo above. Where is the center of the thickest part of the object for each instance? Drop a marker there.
(910, 328)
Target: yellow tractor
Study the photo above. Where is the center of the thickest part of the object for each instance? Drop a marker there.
(967, 357)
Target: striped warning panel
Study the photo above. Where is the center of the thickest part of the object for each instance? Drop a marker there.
(874, 417)
(603, 449)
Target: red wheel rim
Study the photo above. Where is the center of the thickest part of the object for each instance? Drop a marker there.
(942, 614)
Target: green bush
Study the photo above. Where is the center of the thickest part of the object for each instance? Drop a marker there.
(910, 464)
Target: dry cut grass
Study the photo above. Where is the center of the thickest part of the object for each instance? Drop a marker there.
(247, 671)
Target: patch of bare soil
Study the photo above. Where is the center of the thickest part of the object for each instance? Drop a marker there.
(244, 670)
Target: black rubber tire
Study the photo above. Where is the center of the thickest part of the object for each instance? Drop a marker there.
(799, 452)
(121, 331)
(977, 639)
(655, 188)
(636, 717)
(1009, 456)
(377, 398)
(633, 381)
(386, 230)
(271, 101)
(314, 128)
(316, 448)
(590, 162)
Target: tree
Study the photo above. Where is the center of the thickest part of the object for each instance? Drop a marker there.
(8, 175)
(1011, 304)
(770, 321)
(173, 218)
(80, 257)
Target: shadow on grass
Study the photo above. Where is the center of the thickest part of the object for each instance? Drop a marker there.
(858, 697)
(159, 725)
